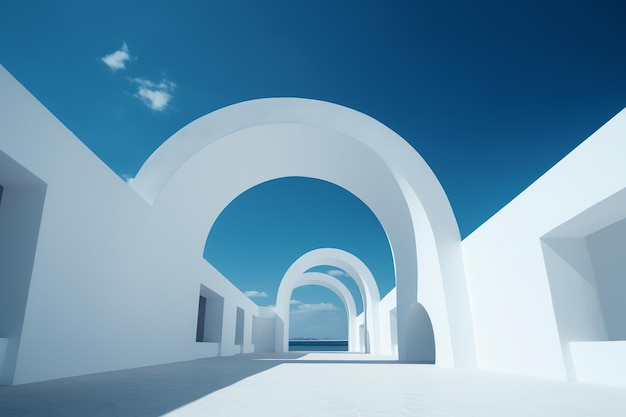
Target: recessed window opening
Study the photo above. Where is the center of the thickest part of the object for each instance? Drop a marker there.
(22, 196)
(585, 260)
(201, 318)
(607, 252)
(239, 326)
(210, 316)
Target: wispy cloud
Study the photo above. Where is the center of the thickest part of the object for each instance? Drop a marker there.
(294, 302)
(306, 309)
(117, 60)
(337, 273)
(154, 95)
(256, 294)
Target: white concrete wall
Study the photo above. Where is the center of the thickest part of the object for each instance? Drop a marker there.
(264, 330)
(114, 283)
(515, 281)
(600, 362)
(388, 324)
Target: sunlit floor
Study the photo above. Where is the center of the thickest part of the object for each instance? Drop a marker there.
(316, 384)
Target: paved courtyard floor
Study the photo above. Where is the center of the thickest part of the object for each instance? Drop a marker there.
(297, 384)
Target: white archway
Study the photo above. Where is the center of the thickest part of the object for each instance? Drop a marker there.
(353, 267)
(336, 286)
(195, 174)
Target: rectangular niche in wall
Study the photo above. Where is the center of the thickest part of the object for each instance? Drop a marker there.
(22, 196)
(210, 316)
(585, 261)
(239, 326)
(607, 250)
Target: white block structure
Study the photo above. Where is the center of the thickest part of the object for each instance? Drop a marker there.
(98, 275)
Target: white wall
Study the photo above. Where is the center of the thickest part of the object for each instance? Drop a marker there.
(115, 281)
(388, 324)
(516, 281)
(114, 284)
(263, 330)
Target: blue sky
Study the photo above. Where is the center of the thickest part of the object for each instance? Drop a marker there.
(491, 94)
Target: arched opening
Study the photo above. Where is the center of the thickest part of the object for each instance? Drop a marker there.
(272, 224)
(312, 280)
(355, 269)
(207, 164)
(318, 320)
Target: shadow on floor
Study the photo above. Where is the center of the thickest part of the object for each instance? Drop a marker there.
(148, 391)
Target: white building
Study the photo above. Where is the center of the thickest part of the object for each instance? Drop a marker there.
(98, 275)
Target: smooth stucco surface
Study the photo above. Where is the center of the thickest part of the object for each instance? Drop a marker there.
(293, 384)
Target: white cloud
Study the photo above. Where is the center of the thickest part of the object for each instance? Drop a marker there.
(303, 309)
(294, 302)
(154, 95)
(337, 273)
(257, 294)
(127, 178)
(117, 60)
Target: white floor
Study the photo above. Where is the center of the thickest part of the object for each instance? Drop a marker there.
(316, 384)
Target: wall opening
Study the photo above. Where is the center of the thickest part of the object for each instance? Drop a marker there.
(239, 326)
(318, 320)
(210, 316)
(22, 197)
(201, 316)
(585, 261)
(275, 222)
(607, 251)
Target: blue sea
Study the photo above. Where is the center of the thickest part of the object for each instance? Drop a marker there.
(318, 345)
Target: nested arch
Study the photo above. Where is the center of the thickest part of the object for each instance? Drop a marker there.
(338, 258)
(195, 174)
(336, 286)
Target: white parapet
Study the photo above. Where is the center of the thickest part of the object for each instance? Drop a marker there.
(600, 362)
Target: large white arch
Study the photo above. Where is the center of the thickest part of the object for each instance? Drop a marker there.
(340, 259)
(336, 286)
(195, 174)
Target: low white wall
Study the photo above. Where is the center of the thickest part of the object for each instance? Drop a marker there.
(600, 362)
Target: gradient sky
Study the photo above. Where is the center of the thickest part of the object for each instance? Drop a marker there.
(491, 94)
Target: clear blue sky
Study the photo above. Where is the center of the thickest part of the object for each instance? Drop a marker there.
(491, 94)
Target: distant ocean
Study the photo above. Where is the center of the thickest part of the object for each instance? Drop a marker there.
(318, 345)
